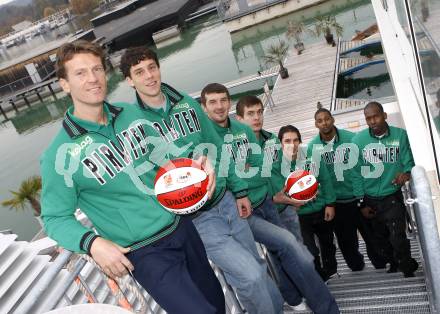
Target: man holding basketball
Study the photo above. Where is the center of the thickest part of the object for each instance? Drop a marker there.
(94, 164)
(171, 117)
(292, 258)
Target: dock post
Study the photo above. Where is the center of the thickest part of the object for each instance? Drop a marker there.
(39, 96)
(52, 92)
(13, 105)
(3, 113)
(26, 101)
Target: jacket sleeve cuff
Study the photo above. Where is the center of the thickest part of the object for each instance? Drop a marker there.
(87, 240)
(240, 194)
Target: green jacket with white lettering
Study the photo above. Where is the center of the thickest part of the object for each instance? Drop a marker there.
(380, 160)
(336, 157)
(326, 195)
(241, 144)
(271, 148)
(183, 130)
(94, 167)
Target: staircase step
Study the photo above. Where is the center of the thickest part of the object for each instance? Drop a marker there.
(392, 297)
(372, 291)
(338, 284)
(416, 307)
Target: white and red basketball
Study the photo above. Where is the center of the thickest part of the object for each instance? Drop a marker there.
(181, 186)
(301, 185)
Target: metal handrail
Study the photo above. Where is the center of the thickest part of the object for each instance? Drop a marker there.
(335, 77)
(410, 216)
(428, 233)
(44, 282)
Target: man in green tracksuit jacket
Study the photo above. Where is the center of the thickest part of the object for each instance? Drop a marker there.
(173, 119)
(335, 145)
(384, 165)
(250, 111)
(315, 216)
(94, 164)
(299, 278)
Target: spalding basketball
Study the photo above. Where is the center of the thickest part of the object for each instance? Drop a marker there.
(181, 186)
(301, 185)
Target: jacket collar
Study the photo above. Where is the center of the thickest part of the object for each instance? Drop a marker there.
(265, 135)
(386, 134)
(74, 130)
(336, 136)
(172, 94)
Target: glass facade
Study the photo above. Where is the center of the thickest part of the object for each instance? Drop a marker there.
(425, 22)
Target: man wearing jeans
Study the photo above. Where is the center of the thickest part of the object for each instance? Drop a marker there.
(91, 164)
(250, 111)
(173, 119)
(293, 259)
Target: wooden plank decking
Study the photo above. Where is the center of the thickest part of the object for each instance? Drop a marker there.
(310, 81)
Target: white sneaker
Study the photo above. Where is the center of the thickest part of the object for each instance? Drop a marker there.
(300, 307)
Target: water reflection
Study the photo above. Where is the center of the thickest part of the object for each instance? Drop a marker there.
(40, 114)
(206, 53)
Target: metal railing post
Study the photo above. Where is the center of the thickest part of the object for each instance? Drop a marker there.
(428, 234)
(43, 284)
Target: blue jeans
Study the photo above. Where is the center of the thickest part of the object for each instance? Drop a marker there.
(230, 245)
(298, 277)
(176, 273)
(290, 220)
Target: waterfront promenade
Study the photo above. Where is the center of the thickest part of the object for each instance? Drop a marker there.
(310, 80)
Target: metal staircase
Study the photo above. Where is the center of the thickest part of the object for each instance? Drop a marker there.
(33, 282)
(375, 291)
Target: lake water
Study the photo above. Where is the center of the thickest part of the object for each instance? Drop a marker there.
(206, 53)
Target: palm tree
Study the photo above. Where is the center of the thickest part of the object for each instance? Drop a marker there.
(29, 191)
(295, 30)
(275, 54)
(324, 25)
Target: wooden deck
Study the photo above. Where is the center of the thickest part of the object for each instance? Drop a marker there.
(310, 81)
(346, 64)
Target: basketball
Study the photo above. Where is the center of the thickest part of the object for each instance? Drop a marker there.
(301, 185)
(181, 186)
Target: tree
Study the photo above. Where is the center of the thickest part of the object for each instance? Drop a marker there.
(48, 11)
(275, 54)
(83, 6)
(295, 30)
(325, 24)
(29, 191)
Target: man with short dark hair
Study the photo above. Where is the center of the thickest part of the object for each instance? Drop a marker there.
(173, 118)
(384, 165)
(245, 154)
(250, 111)
(333, 143)
(94, 164)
